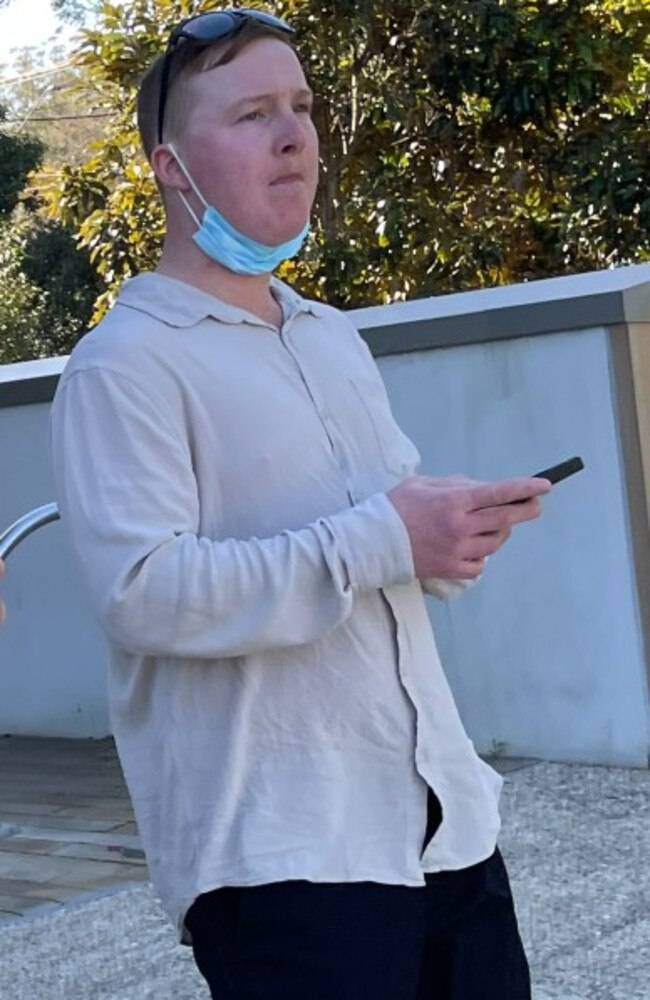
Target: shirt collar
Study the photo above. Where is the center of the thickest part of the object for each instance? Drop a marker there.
(179, 304)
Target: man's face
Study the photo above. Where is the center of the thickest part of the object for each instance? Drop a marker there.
(249, 128)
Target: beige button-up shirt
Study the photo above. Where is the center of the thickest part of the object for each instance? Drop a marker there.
(275, 691)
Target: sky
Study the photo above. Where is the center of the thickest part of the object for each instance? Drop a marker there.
(26, 23)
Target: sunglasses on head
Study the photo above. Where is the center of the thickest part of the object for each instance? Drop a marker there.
(204, 29)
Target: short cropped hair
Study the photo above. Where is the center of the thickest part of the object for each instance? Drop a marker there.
(189, 59)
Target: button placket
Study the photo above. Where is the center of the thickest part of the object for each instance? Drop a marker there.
(323, 415)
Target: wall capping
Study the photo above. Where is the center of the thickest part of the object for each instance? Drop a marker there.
(551, 305)
(608, 298)
(30, 381)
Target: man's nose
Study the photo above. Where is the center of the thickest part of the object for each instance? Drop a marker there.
(291, 135)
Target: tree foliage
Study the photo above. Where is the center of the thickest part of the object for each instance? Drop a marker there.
(22, 310)
(71, 11)
(463, 144)
(48, 285)
(44, 95)
(48, 289)
(19, 155)
(76, 11)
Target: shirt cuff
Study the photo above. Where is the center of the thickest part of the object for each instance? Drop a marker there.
(445, 589)
(374, 544)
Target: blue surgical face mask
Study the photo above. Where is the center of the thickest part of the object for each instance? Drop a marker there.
(226, 245)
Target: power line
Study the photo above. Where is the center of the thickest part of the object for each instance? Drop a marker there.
(33, 75)
(52, 118)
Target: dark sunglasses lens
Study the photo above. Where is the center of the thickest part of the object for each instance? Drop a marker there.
(206, 27)
(264, 18)
(217, 24)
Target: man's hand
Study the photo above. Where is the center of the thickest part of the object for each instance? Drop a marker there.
(2, 607)
(455, 523)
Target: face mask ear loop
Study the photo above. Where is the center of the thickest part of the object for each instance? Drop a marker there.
(194, 188)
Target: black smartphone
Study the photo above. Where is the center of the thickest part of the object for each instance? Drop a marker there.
(558, 472)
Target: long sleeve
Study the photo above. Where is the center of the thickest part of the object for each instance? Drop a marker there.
(126, 489)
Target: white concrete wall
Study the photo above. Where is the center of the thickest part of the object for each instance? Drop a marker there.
(52, 654)
(544, 655)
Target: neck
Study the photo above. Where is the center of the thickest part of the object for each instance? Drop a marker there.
(251, 292)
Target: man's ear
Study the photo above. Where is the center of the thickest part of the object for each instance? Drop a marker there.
(167, 169)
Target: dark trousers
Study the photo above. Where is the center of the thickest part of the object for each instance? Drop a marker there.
(454, 939)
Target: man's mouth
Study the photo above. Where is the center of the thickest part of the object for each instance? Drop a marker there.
(288, 179)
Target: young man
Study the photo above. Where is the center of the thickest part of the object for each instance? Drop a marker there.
(252, 533)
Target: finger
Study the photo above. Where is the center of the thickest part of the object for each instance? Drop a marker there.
(506, 491)
(501, 536)
(470, 569)
(448, 482)
(482, 546)
(459, 480)
(2, 568)
(490, 519)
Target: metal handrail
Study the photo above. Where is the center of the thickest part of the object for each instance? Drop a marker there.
(25, 525)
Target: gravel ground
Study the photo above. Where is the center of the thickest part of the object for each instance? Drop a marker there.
(576, 840)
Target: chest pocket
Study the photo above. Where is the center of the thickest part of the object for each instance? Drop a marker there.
(378, 431)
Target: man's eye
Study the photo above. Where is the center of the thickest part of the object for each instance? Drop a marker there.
(304, 109)
(252, 116)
